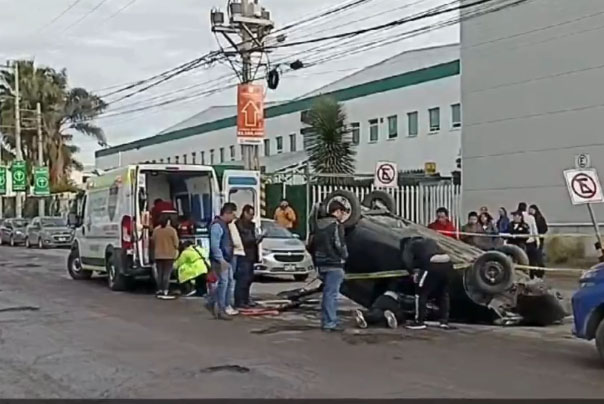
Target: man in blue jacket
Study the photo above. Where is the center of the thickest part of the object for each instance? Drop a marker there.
(221, 258)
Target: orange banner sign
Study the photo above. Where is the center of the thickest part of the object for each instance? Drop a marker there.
(250, 113)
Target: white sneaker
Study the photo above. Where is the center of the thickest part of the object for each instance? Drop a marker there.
(391, 319)
(231, 311)
(360, 319)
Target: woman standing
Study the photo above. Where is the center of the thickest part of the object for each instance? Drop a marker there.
(165, 241)
(503, 223)
(542, 228)
(487, 227)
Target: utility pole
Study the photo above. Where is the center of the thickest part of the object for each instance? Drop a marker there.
(41, 202)
(252, 24)
(19, 154)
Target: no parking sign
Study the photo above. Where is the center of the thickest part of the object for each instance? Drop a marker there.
(386, 175)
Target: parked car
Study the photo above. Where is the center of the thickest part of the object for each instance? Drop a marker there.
(588, 308)
(12, 232)
(283, 253)
(48, 232)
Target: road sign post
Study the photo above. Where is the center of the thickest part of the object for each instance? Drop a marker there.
(2, 180)
(386, 175)
(19, 171)
(41, 182)
(584, 188)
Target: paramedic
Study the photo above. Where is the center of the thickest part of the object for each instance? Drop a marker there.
(192, 265)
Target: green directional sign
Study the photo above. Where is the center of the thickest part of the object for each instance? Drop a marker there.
(2, 180)
(19, 170)
(41, 182)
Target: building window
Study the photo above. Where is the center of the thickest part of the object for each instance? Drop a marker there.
(292, 143)
(434, 114)
(242, 148)
(222, 154)
(374, 131)
(212, 157)
(279, 142)
(203, 158)
(307, 135)
(392, 126)
(355, 133)
(267, 147)
(184, 159)
(232, 151)
(456, 115)
(412, 121)
(193, 158)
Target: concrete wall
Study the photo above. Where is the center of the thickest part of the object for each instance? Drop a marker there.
(533, 99)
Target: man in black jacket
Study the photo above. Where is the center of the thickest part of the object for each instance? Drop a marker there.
(328, 246)
(244, 273)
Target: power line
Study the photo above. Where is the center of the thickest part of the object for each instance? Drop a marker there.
(89, 13)
(61, 14)
(119, 11)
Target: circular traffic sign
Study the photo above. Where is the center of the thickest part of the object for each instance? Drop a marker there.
(19, 176)
(386, 173)
(42, 182)
(584, 186)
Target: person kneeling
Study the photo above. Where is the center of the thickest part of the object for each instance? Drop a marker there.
(192, 265)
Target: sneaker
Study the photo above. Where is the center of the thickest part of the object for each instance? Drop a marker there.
(417, 326)
(333, 329)
(231, 311)
(447, 326)
(391, 319)
(360, 319)
(224, 316)
(191, 293)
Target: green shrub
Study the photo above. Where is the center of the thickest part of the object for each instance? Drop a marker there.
(561, 249)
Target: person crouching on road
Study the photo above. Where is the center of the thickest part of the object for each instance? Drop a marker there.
(385, 310)
(221, 258)
(432, 279)
(192, 264)
(330, 253)
(165, 242)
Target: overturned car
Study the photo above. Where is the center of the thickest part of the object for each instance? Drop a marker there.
(485, 288)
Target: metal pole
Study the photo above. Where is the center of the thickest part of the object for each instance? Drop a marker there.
(41, 201)
(597, 230)
(19, 155)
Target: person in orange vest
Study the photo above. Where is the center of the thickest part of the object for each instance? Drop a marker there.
(285, 215)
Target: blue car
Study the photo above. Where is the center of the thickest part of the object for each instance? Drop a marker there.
(588, 307)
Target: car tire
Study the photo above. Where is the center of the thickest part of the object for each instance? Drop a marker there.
(116, 280)
(27, 243)
(301, 278)
(1, 242)
(516, 254)
(350, 201)
(492, 273)
(74, 266)
(40, 243)
(12, 241)
(379, 200)
(600, 340)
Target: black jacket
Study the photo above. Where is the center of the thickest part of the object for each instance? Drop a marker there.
(328, 244)
(247, 232)
(519, 229)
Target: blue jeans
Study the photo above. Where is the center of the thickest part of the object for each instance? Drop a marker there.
(223, 293)
(332, 280)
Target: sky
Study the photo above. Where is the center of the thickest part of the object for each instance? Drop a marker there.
(105, 44)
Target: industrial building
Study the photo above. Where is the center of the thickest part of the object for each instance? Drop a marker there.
(533, 101)
(405, 109)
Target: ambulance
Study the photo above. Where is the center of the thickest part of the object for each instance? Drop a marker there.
(112, 217)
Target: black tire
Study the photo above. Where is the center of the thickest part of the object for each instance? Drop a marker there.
(516, 254)
(115, 279)
(300, 278)
(351, 201)
(600, 340)
(12, 241)
(27, 243)
(492, 273)
(40, 243)
(379, 200)
(74, 266)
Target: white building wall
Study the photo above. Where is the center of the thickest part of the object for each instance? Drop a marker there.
(533, 99)
(441, 147)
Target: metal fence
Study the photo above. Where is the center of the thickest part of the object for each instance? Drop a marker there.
(417, 203)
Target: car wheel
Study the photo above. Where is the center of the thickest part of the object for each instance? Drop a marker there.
(492, 273)
(27, 243)
(350, 201)
(600, 340)
(40, 243)
(301, 278)
(12, 241)
(1, 242)
(74, 266)
(115, 279)
(379, 200)
(516, 254)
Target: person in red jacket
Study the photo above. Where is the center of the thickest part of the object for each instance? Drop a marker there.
(443, 224)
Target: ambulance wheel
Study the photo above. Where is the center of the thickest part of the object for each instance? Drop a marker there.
(379, 200)
(350, 202)
(516, 254)
(492, 273)
(74, 266)
(116, 280)
(600, 340)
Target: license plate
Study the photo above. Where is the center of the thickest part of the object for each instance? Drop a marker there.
(290, 268)
(62, 239)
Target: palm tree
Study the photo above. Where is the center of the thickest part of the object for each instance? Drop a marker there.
(65, 113)
(329, 147)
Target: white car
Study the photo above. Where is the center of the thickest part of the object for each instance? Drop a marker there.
(283, 253)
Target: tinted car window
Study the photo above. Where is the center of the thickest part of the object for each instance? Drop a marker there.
(53, 222)
(273, 230)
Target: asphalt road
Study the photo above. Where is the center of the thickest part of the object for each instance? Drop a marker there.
(61, 338)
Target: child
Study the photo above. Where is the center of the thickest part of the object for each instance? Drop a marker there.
(192, 264)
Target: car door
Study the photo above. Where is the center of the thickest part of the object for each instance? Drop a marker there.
(242, 187)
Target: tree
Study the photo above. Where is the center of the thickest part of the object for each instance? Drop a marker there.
(66, 112)
(330, 149)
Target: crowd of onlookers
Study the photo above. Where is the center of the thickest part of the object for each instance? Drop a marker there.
(525, 228)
